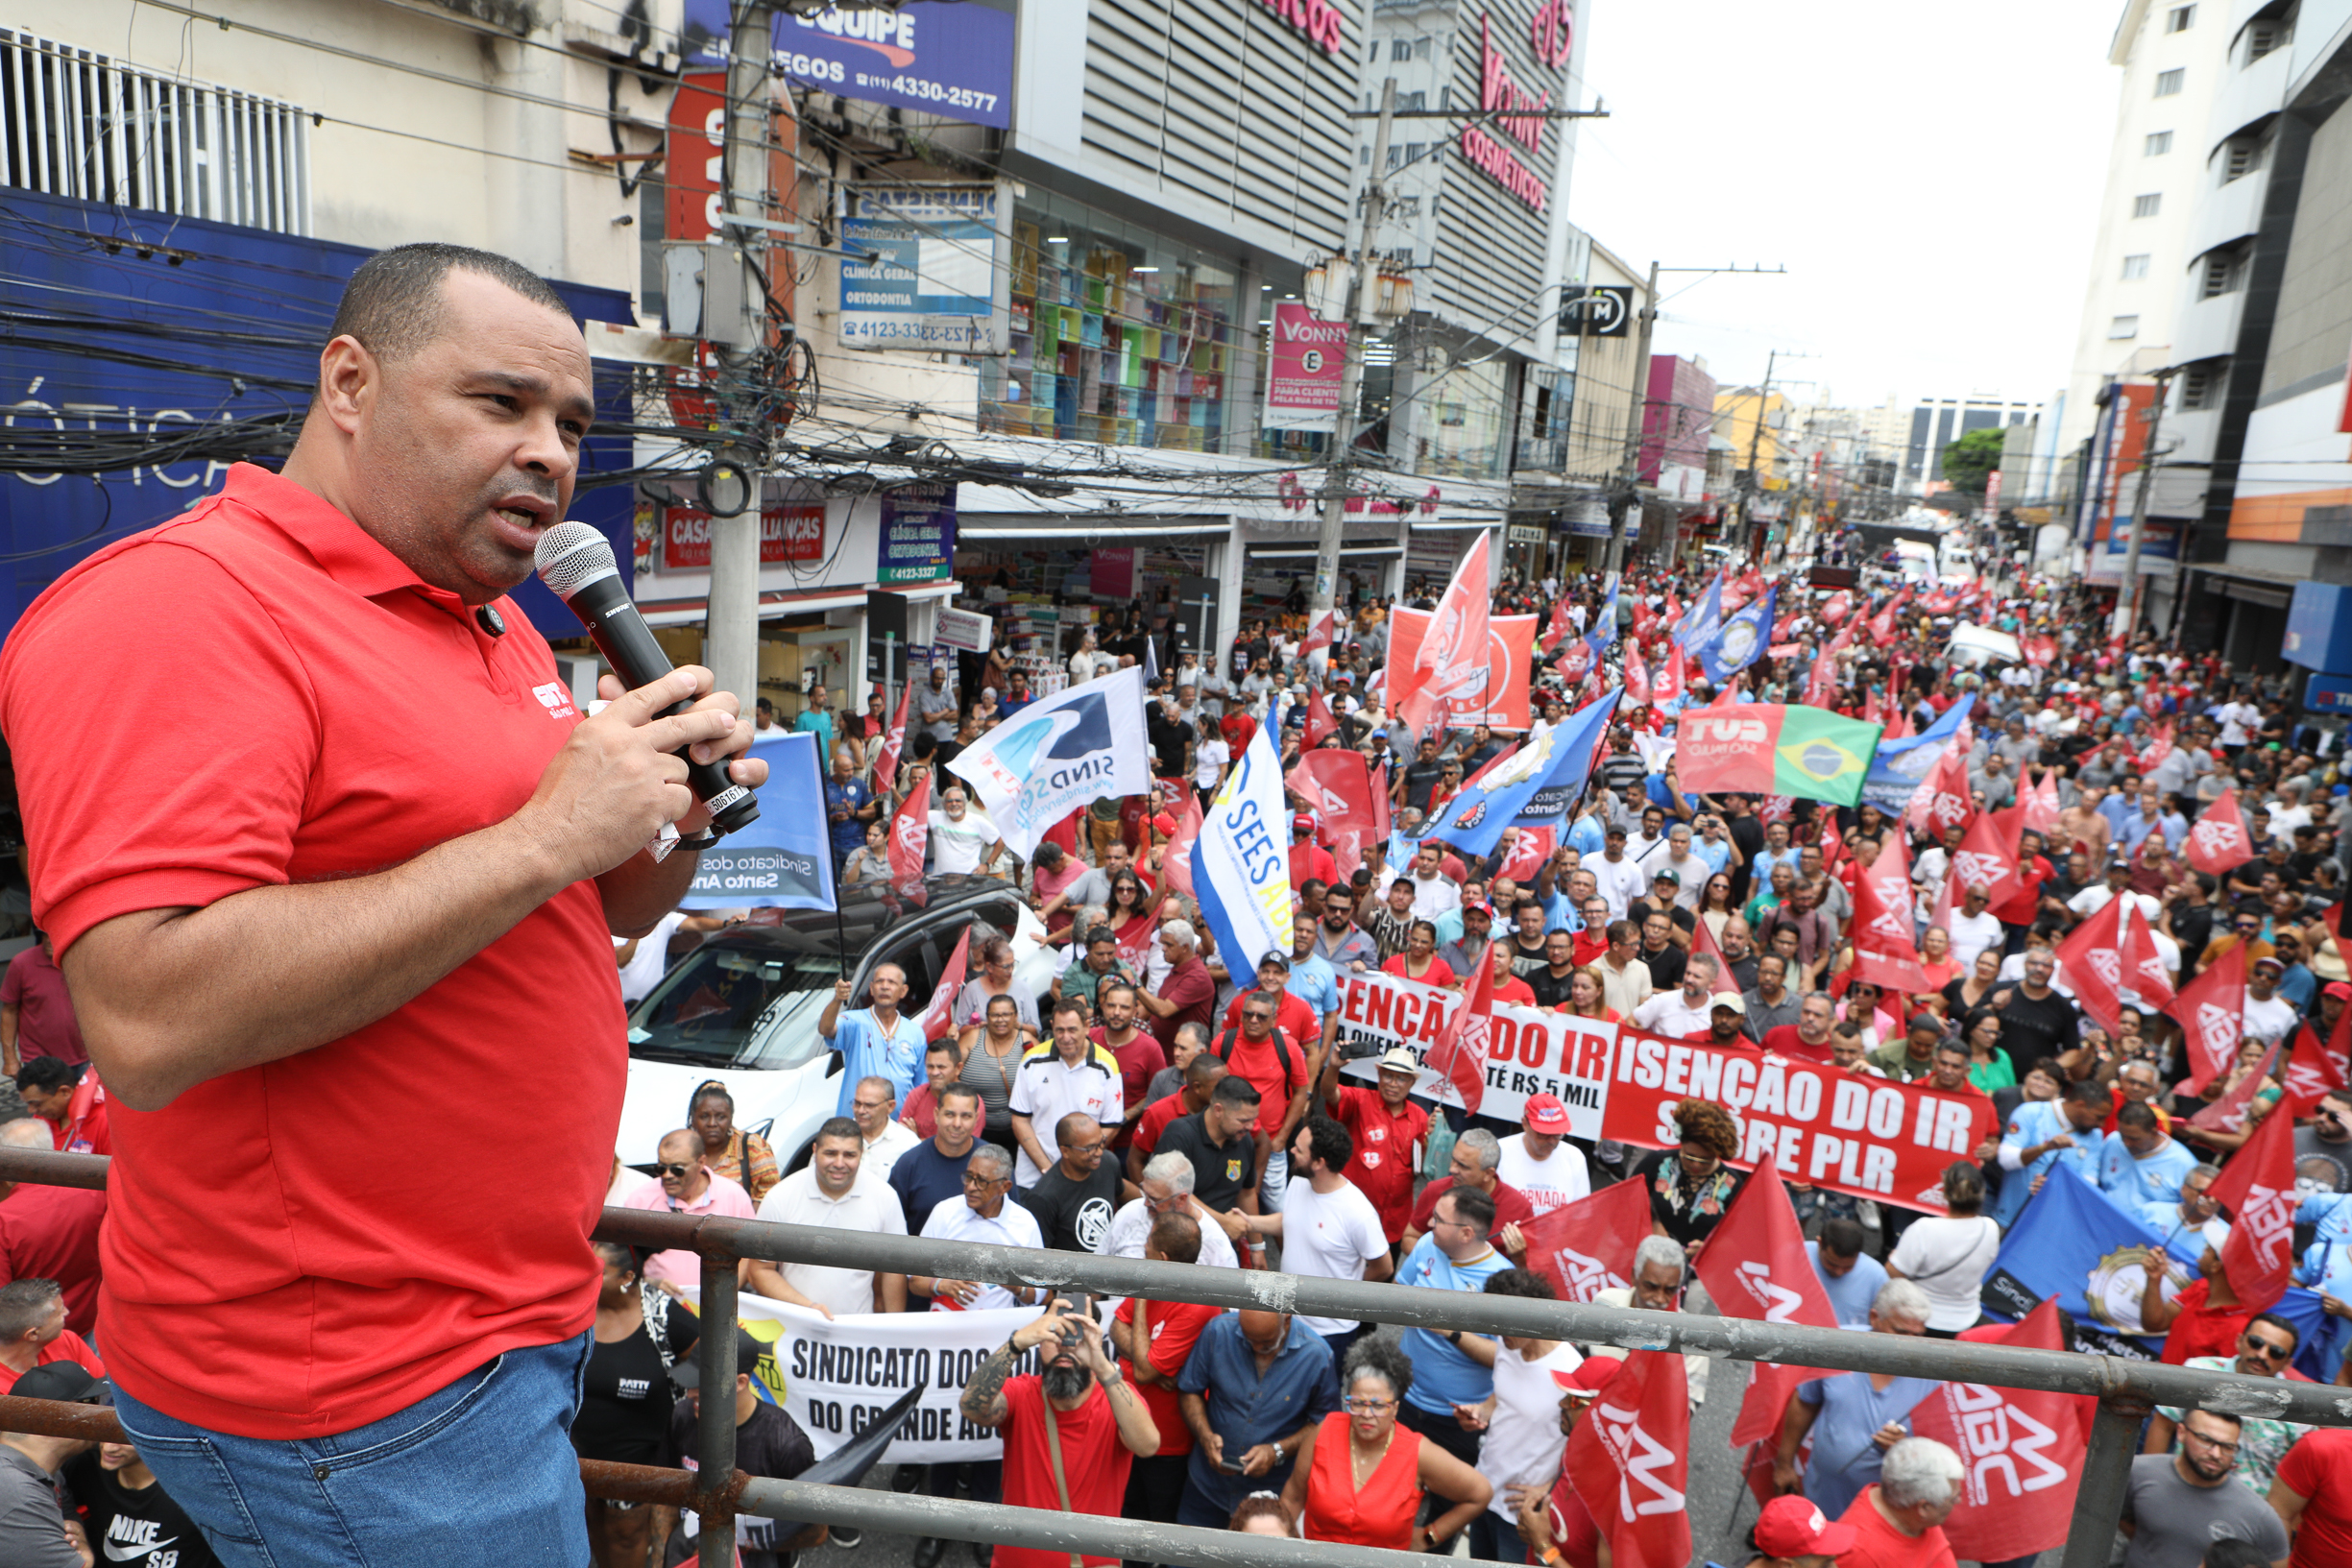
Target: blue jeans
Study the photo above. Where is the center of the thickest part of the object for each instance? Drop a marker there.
(480, 1474)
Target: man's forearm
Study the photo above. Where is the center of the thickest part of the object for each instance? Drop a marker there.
(168, 999)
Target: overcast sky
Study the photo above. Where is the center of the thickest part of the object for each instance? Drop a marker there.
(1928, 175)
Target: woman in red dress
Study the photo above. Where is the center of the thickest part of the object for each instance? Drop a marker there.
(1420, 961)
(1358, 1476)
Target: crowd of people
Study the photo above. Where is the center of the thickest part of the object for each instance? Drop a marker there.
(1151, 1102)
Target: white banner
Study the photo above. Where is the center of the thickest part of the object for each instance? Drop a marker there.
(833, 1377)
(1530, 1052)
(1059, 754)
(1241, 862)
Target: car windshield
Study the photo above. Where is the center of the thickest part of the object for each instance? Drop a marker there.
(710, 1009)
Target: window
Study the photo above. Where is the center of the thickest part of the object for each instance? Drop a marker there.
(2123, 327)
(2168, 83)
(2219, 276)
(2200, 387)
(1396, 154)
(1401, 49)
(2135, 267)
(1413, 101)
(2145, 207)
(2240, 156)
(2159, 143)
(2263, 38)
(1414, 149)
(2179, 18)
(105, 131)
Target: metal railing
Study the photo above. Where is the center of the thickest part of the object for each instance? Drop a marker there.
(2127, 1389)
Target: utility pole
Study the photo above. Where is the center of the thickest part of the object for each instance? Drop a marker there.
(1636, 402)
(1360, 303)
(732, 619)
(1756, 439)
(2128, 602)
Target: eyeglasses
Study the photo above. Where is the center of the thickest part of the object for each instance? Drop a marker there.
(973, 1178)
(2204, 1441)
(1256, 1016)
(1360, 1406)
(1082, 1149)
(2270, 1348)
(673, 1170)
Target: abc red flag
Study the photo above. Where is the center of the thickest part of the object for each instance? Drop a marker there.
(910, 837)
(2022, 1449)
(939, 1017)
(1882, 928)
(1636, 676)
(1754, 1266)
(2041, 803)
(1586, 1247)
(2210, 1011)
(1836, 608)
(1176, 865)
(2092, 957)
(1982, 859)
(1672, 679)
(1321, 726)
(1629, 1461)
(1556, 627)
(1943, 801)
(1459, 1054)
(2230, 1112)
(1336, 784)
(885, 760)
(2217, 841)
(2256, 1190)
(2317, 1068)
(2143, 973)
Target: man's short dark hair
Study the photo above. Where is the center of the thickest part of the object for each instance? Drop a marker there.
(393, 305)
(837, 1126)
(2089, 1091)
(1473, 1207)
(2136, 1114)
(1235, 1090)
(1176, 1238)
(1842, 1237)
(1329, 1141)
(960, 1091)
(47, 1073)
(2294, 1335)
(1523, 1283)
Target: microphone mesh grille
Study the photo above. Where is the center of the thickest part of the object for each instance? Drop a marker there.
(571, 555)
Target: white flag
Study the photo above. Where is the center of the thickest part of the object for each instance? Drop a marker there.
(1059, 754)
(1242, 863)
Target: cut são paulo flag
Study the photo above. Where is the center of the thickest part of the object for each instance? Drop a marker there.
(1755, 1268)
(2217, 841)
(2257, 1191)
(2210, 1011)
(1629, 1461)
(1773, 749)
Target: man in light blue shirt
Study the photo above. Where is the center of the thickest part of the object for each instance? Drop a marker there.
(1848, 1414)
(1851, 1276)
(2041, 1134)
(817, 719)
(2141, 1161)
(1313, 981)
(1454, 1256)
(876, 1041)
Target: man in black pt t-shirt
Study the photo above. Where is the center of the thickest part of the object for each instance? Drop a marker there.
(767, 1442)
(1218, 1141)
(1075, 1199)
(2035, 1020)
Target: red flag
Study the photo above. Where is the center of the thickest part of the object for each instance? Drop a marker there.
(910, 837)
(1318, 636)
(1528, 850)
(939, 1017)
(1943, 801)
(2159, 746)
(1381, 827)
(1983, 860)
(2230, 1112)
(1755, 1268)
(1453, 658)
(2218, 842)
(2210, 1011)
(1833, 844)
(2315, 1070)
(1176, 865)
(2093, 961)
(1672, 679)
(1459, 1054)
(2041, 803)
(2021, 1448)
(1636, 676)
(2257, 1188)
(1336, 782)
(1586, 1247)
(1321, 726)
(2041, 651)
(1836, 608)
(1822, 684)
(2143, 973)
(1576, 659)
(1556, 627)
(1881, 926)
(885, 760)
(1629, 1461)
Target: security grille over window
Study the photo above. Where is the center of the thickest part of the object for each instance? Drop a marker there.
(2240, 158)
(2220, 273)
(2200, 387)
(2169, 83)
(78, 124)
(2263, 38)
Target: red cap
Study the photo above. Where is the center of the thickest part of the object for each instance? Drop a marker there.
(1302, 822)
(1795, 1527)
(1164, 825)
(2341, 991)
(1592, 1374)
(1545, 1114)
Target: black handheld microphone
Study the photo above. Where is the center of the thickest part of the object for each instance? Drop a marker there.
(577, 563)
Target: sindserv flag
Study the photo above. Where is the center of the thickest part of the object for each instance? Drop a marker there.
(1536, 786)
(1451, 660)
(2217, 841)
(1754, 1266)
(1763, 748)
(1240, 867)
(2020, 1449)
(1059, 754)
(1629, 1461)
(2257, 1188)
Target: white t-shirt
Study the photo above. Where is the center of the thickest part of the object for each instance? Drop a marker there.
(1331, 1235)
(2234, 717)
(1048, 1089)
(646, 967)
(1972, 935)
(1209, 757)
(1434, 897)
(954, 1219)
(1523, 1440)
(882, 1154)
(1132, 1227)
(1948, 1259)
(869, 1205)
(957, 846)
(1549, 1184)
(2268, 1020)
(1619, 883)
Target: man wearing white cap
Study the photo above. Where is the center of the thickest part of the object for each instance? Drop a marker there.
(1389, 1131)
(1540, 1162)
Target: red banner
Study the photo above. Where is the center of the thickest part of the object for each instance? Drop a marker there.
(1754, 1266)
(939, 1017)
(2145, 975)
(911, 835)
(1629, 1459)
(1336, 783)
(2317, 1068)
(1502, 705)
(2091, 955)
(2257, 1188)
(2218, 842)
(1871, 1137)
(1451, 663)
(2210, 1011)
(795, 532)
(2022, 1449)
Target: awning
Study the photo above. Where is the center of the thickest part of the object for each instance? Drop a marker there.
(1348, 552)
(1085, 532)
(2264, 586)
(774, 606)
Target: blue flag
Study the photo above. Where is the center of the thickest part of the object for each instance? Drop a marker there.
(1534, 787)
(1738, 642)
(2073, 1244)
(1705, 619)
(1241, 861)
(1901, 766)
(785, 859)
(1604, 632)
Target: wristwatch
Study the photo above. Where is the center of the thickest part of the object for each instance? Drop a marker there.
(1453, 1337)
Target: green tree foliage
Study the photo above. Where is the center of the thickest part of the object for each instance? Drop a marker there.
(1969, 460)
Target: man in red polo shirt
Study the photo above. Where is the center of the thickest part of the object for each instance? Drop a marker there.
(383, 856)
(1388, 1130)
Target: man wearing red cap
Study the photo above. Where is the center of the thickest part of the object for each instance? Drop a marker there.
(1791, 1530)
(1557, 1526)
(1309, 861)
(1540, 1162)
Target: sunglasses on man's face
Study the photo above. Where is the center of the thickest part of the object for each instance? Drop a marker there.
(2269, 1347)
(672, 1170)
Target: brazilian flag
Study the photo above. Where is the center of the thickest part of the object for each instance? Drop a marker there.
(1821, 755)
